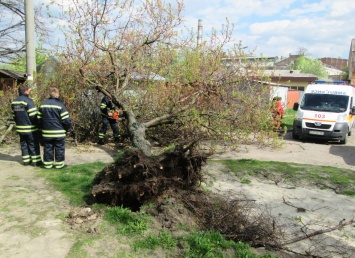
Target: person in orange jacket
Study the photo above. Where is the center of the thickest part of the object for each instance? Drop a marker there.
(277, 112)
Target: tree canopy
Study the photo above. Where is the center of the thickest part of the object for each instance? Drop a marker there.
(171, 90)
(310, 66)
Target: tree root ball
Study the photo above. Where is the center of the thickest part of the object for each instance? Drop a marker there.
(135, 178)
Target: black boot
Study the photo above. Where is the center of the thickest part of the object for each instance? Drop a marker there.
(101, 141)
(118, 139)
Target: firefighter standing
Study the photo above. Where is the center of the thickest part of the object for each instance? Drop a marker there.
(55, 125)
(109, 113)
(25, 115)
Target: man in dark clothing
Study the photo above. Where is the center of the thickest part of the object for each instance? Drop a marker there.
(55, 125)
(25, 116)
(108, 111)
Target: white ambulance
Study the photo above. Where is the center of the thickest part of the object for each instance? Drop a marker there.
(326, 112)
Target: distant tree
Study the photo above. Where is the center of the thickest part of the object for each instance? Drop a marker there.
(12, 29)
(310, 66)
(345, 73)
(19, 63)
(302, 51)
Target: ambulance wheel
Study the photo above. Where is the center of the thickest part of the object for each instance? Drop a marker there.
(345, 140)
(349, 133)
(295, 136)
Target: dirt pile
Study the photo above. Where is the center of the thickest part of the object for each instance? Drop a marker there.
(135, 178)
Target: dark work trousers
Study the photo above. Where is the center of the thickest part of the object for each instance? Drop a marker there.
(30, 150)
(53, 150)
(114, 126)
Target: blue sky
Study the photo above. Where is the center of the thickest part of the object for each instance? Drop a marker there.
(281, 27)
(277, 27)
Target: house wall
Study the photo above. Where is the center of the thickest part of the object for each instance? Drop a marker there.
(293, 83)
(352, 79)
(336, 62)
(279, 91)
(289, 96)
(293, 97)
(352, 62)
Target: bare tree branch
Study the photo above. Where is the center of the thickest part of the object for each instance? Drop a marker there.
(318, 232)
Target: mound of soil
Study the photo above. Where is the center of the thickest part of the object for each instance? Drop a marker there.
(135, 178)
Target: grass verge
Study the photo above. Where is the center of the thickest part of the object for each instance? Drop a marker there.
(136, 229)
(342, 181)
(288, 117)
(75, 182)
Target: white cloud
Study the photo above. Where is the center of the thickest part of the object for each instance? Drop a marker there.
(270, 27)
(324, 27)
(257, 7)
(317, 34)
(341, 8)
(274, 27)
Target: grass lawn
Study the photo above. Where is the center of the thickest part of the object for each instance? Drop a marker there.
(136, 229)
(288, 118)
(76, 182)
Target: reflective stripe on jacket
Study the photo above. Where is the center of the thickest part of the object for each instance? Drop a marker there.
(54, 119)
(106, 107)
(24, 112)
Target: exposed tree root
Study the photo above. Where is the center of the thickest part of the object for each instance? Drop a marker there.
(170, 181)
(136, 178)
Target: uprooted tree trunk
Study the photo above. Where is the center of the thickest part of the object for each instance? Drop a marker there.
(136, 131)
(138, 176)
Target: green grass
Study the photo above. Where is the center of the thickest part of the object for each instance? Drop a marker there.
(74, 181)
(288, 118)
(127, 221)
(213, 244)
(322, 176)
(164, 240)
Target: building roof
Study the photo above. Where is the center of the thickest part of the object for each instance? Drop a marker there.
(285, 63)
(294, 76)
(16, 75)
(289, 73)
(263, 61)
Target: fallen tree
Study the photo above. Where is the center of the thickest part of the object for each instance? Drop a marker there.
(172, 91)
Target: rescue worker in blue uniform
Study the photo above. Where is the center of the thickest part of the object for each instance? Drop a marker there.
(55, 125)
(108, 110)
(25, 116)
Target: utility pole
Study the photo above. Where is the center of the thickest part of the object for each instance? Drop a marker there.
(199, 33)
(30, 39)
